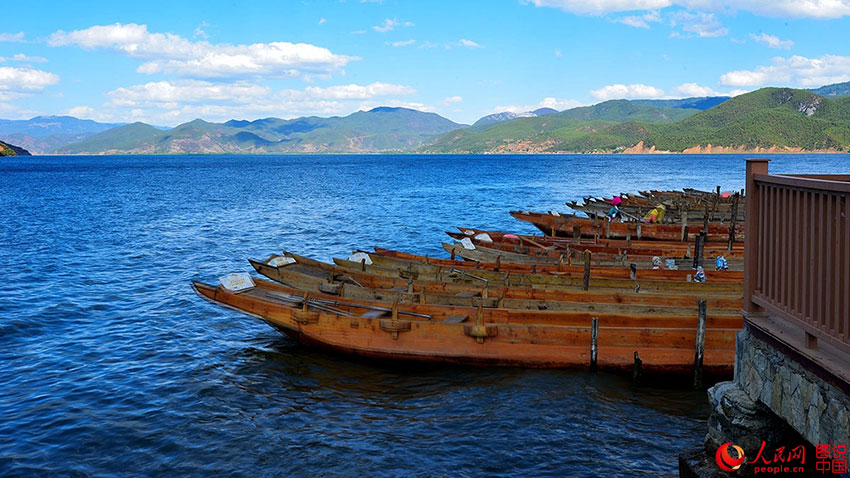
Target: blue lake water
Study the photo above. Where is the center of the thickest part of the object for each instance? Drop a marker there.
(111, 366)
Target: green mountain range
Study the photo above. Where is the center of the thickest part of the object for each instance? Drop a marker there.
(381, 129)
(770, 119)
(587, 128)
(780, 119)
(838, 89)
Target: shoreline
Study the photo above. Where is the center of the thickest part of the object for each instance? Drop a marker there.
(644, 151)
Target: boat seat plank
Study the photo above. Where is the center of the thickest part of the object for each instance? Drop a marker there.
(373, 314)
(467, 294)
(456, 319)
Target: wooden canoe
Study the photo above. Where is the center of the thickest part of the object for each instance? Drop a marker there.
(487, 254)
(675, 248)
(521, 245)
(517, 339)
(535, 280)
(540, 292)
(390, 258)
(569, 225)
(341, 285)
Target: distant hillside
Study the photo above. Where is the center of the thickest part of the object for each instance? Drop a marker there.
(781, 118)
(838, 89)
(507, 116)
(43, 134)
(700, 103)
(382, 129)
(587, 128)
(11, 150)
(624, 110)
(770, 119)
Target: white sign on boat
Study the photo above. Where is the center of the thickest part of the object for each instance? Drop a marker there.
(278, 261)
(467, 243)
(237, 281)
(359, 257)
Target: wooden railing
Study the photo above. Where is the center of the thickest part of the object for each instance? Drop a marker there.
(797, 246)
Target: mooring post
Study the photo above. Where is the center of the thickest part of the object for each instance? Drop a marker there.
(699, 249)
(628, 241)
(636, 372)
(734, 221)
(594, 340)
(586, 281)
(684, 213)
(700, 349)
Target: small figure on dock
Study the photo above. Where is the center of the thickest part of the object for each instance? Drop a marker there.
(720, 264)
(656, 215)
(656, 262)
(615, 213)
(700, 275)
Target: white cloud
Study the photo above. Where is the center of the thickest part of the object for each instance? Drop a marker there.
(322, 21)
(792, 8)
(172, 102)
(186, 91)
(391, 24)
(693, 89)
(635, 90)
(30, 59)
(199, 30)
(793, 71)
(81, 112)
(452, 99)
(469, 43)
(25, 80)
(821, 9)
(165, 93)
(559, 53)
(701, 23)
(348, 92)
(599, 7)
(771, 41)
(12, 37)
(358, 32)
(169, 53)
(641, 21)
(401, 43)
(548, 102)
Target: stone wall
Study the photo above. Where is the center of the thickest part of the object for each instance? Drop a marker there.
(773, 398)
(814, 407)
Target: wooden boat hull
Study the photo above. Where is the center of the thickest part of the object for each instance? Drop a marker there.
(395, 259)
(661, 348)
(555, 249)
(675, 247)
(328, 272)
(568, 226)
(549, 265)
(314, 281)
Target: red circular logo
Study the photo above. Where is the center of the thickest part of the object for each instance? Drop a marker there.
(725, 460)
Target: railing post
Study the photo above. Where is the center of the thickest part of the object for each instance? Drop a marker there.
(751, 236)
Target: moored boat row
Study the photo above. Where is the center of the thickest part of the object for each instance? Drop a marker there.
(608, 294)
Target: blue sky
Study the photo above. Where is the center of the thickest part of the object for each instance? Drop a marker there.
(170, 62)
